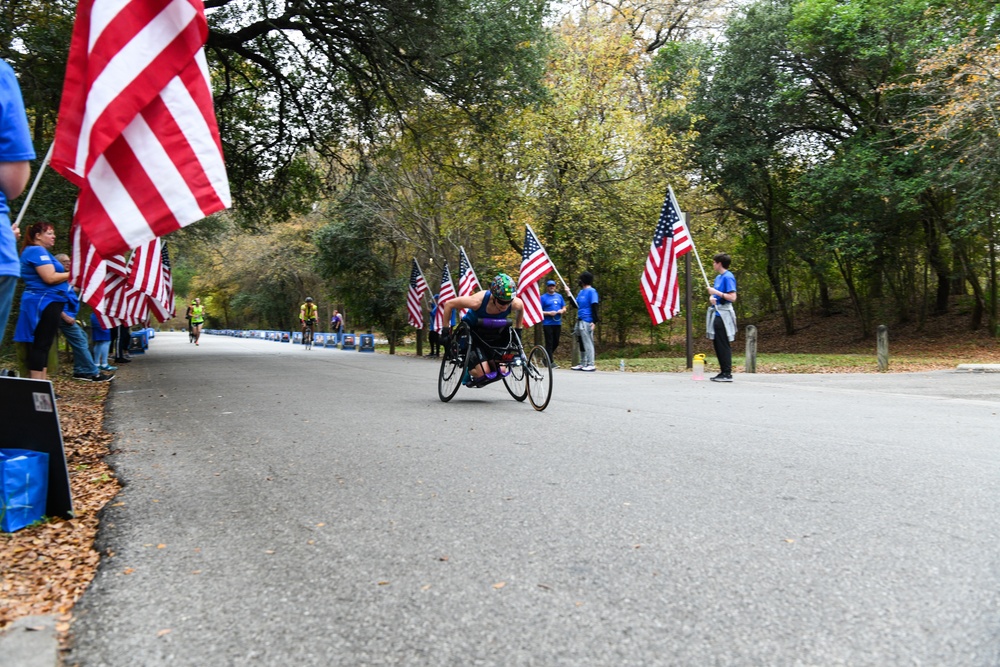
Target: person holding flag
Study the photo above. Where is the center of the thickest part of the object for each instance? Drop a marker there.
(553, 307)
(16, 152)
(721, 324)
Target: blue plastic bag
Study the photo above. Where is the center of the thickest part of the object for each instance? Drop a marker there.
(24, 487)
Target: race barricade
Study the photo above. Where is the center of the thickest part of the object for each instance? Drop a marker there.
(138, 342)
(366, 343)
(332, 340)
(348, 342)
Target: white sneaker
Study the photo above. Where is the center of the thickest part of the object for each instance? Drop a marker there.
(578, 367)
(589, 369)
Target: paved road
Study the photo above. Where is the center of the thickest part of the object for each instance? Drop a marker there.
(285, 507)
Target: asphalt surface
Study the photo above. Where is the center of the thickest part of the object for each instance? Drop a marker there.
(285, 507)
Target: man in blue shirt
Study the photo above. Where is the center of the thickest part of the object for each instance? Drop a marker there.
(721, 324)
(586, 319)
(553, 306)
(15, 169)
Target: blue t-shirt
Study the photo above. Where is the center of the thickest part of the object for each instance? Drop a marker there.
(552, 301)
(725, 283)
(585, 299)
(36, 255)
(15, 146)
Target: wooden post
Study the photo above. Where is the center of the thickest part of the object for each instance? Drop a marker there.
(420, 342)
(750, 363)
(883, 347)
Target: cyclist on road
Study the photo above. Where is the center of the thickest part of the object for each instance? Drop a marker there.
(308, 312)
(498, 302)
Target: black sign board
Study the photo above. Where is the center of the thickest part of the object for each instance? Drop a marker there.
(29, 419)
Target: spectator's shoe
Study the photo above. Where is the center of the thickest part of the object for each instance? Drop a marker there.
(722, 377)
(8, 373)
(589, 369)
(122, 360)
(84, 377)
(103, 377)
(554, 365)
(578, 367)
(108, 368)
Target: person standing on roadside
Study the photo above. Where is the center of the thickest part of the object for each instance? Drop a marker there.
(336, 322)
(721, 324)
(43, 298)
(587, 318)
(16, 151)
(553, 307)
(432, 334)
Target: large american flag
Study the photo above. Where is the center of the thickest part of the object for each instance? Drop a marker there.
(468, 283)
(88, 269)
(535, 264)
(445, 294)
(417, 289)
(671, 240)
(136, 128)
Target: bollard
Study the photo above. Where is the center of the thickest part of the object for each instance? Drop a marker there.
(882, 351)
(750, 363)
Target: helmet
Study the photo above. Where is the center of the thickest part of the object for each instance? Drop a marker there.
(309, 299)
(502, 287)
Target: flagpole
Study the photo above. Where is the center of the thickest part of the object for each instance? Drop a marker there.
(568, 291)
(31, 192)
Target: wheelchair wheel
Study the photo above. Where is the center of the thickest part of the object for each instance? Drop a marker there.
(515, 382)
(539, 376)
(454, 361)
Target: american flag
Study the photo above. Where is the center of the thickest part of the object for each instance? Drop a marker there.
(445, 294)
(417, 289)
(162, 305)
(136, 128)
(468, 283)
(535, 264)
(671, 240)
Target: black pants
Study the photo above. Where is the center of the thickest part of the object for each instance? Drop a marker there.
(124, 339)
(552, 333)
(722, 349)
(435, 339)
(44, 335)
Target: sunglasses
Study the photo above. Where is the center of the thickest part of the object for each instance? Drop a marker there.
(501, 302)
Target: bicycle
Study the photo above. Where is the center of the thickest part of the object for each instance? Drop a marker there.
(307, 336)
(524, 375)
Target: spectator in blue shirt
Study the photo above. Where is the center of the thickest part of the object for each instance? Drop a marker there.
(721, 325)
(587, 318)
(553, 307)
(15, 169)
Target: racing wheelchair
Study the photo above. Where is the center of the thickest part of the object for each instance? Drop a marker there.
(495, 341)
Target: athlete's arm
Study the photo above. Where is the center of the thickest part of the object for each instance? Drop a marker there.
(470, 301)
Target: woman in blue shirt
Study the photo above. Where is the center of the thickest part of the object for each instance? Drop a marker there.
(43, 299)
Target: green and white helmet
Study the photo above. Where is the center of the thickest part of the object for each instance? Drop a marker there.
(503, 287)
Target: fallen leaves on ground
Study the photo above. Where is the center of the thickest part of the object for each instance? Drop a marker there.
(47, 567)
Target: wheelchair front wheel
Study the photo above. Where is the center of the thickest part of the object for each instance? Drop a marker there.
(453, 364)
(515, 382)
(539, 376)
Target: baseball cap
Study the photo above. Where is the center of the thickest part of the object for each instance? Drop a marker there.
(549, 282)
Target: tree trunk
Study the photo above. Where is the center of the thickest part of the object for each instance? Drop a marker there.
(940, 265)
